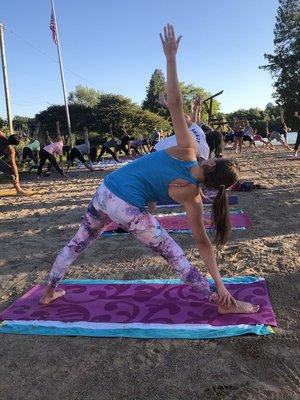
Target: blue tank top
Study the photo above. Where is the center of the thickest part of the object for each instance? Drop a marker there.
(147, 179)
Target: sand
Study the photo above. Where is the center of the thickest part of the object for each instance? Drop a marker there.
(33, 229)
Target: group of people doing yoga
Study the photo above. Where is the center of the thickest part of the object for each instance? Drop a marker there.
(176, 173)
(243, 132)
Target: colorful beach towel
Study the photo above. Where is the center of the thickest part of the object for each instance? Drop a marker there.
(140, 309)
(178, 222)
(232, 201)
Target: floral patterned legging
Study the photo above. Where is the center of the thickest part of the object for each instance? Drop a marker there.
(104, 208)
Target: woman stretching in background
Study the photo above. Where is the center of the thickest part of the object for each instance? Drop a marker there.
(78, 152)
(107, 147)
(49, 151)
(7, 150)
(162, 175)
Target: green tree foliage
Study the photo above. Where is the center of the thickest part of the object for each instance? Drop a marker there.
(2, 123)
(80, 116)
(21, 123)
(84, 96)
(157, 84)
(284, 64)
(190, 92)
(118, 110)
(111, 109)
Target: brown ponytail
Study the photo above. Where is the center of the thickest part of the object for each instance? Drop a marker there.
(222, 176)
(220, 219)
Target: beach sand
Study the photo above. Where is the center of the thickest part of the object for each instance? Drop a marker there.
(33, 229)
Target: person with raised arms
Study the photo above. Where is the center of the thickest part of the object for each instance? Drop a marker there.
(163, 175)
(78, 152)
(170, 141)
(49, 151)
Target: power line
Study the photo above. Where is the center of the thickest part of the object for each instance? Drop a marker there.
(45, 54)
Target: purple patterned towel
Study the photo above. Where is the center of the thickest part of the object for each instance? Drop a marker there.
(143, 303)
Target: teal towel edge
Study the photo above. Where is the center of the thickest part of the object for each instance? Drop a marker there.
(137, 333)
(229, 280)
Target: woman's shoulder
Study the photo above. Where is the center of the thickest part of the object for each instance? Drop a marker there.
(184, 154)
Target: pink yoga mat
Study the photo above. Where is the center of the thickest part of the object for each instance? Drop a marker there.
(180, 222)
(143, 303)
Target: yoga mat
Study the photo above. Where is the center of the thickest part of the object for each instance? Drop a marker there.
(13, 193)
(232, 200)
(152, 309)
(178, 223)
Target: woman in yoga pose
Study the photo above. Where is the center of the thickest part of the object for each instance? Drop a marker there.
(191, 121)
(108, 145)
(78, 152)
(172, 173)
(7, 150)
(50, 150)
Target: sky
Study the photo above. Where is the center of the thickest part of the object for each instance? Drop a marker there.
(114, 46)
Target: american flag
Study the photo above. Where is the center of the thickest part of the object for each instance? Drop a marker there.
(53, 28)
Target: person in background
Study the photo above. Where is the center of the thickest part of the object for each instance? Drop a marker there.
(154, 138)
(32, 149)
(248, 134)
(78, 152)
(276, 135)
(49, 152)
(108, 146)
(195, 129)
(7, 150)
(125, 139)
(238, 128)
(138, 146)
(296, 147)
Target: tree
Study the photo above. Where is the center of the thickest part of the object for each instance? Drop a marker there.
(84, 96)
(2, 123)
(80, 116)
(284, 64)
(119, 110)
(157, 84)
(111, 109)
(21, 123)
(190, 92)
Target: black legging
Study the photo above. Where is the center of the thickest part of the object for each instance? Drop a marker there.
(6, 168)
(297, 142)
(122, 147)
(215, 142)
(44, 156)
(105, 149)
(75, 153)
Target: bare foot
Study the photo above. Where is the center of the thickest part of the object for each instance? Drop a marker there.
(22, 192)
(242, 308)
(51, 295)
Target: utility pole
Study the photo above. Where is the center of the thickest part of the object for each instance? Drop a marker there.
(61, 71)
(5, 80)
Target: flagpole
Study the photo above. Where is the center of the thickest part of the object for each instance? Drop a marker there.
(5, 81)
(62, 72)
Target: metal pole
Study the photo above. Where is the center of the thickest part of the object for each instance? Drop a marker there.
(5, 80)
(62, 73)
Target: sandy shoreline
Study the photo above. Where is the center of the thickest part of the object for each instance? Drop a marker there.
(33, 229)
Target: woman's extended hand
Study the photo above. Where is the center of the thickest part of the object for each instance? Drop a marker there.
(169, 42)
(224, 297)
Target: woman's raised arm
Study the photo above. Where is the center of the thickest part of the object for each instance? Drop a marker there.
(174, 97)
